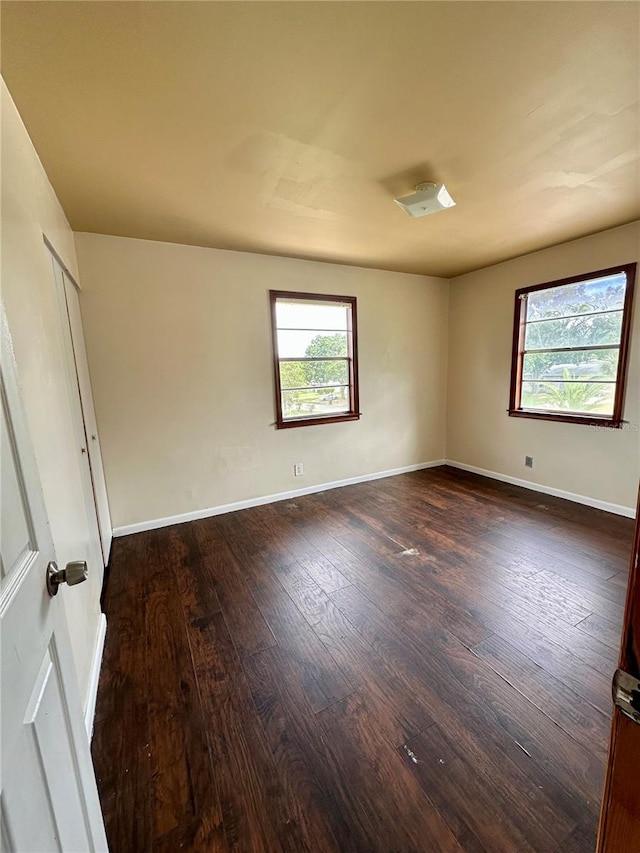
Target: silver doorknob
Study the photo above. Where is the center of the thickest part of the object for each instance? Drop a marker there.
(74, 572)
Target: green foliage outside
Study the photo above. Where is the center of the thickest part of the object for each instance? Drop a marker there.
(302, 374)
(573, 396)
(293, 374)
(582, 330)
(325, 372)
(580, 316)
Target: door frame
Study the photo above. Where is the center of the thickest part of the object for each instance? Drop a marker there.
(629, 661)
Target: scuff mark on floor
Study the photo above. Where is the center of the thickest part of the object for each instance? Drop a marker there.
(411, 754)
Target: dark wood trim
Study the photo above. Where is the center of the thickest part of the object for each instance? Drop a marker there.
(309, 297)
(273, 297)
(310, 358)
(569, 418)
(320, 419)
(625, 343)
(517, 356)
(517, 353)
(352, 322)
(589, 348)
(629, 661)
(547, 285)
(352, 359)
(334, 331)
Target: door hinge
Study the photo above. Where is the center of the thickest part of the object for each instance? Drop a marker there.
(626, 694)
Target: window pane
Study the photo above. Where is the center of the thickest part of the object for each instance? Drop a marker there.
(311, 315)
(298, 344)
(312, 401)
(585, 330)
(301, 374)
(601, 365)
(581, 297)
(559, 396)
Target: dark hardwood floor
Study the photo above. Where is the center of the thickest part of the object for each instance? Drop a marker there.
(421, 663)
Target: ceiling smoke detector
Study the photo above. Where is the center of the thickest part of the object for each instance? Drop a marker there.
(428, 198)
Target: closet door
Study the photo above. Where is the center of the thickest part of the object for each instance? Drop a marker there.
(96, 522)
(94, 454)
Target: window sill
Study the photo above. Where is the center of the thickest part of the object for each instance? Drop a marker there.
(588, 420)
(320, 419)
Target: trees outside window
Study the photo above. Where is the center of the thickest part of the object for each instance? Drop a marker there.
(315, 358)
(570, 348)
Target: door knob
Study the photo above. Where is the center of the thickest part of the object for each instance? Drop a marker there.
(74, 572)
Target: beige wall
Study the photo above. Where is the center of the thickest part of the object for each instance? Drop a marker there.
(180, 358)
(599, 463)
(30, 210)
(179, 353)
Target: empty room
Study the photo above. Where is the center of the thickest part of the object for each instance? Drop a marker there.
(320, 426)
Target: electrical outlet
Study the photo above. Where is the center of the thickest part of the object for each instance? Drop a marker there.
(298, 469)
(528, 461)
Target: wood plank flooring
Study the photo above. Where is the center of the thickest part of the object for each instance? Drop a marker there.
(420, 663)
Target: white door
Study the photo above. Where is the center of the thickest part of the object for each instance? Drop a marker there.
(78, 367)
(48, 798)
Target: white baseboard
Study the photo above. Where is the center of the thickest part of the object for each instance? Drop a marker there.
(92, 691)
(618, 509)
(267, 499)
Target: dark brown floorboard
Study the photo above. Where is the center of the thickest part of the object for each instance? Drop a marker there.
(420, 663)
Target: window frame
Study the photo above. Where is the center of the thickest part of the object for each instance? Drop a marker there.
(517, 355)
(353, 414)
